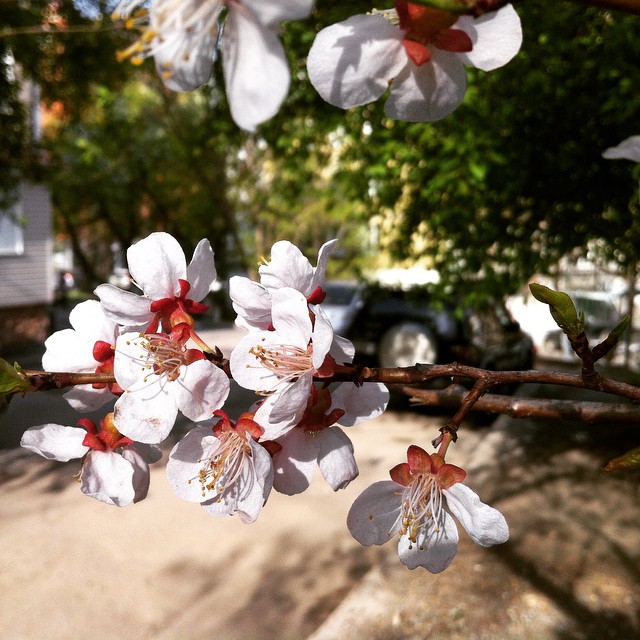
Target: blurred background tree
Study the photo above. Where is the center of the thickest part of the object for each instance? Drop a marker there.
(496, 192)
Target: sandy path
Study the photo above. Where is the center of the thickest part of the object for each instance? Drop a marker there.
(71, 567)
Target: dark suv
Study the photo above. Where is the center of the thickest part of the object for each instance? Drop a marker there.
(397, 328)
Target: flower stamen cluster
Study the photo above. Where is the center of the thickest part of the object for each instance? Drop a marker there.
(224, 464)
(424, 477)
(165, 354)
(287, 361)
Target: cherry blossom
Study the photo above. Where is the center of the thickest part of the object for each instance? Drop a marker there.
(171, 290)
(288, 267)
(315, 442)
(161, 376)
(223, 467)
(282, 362)
(87, 347)
(419, 50)
(417, 504)
(115, 470)
(183, 37)
(628, 149)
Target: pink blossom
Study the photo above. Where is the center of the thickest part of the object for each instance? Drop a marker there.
(160, 376)
(417, 504)
(115, 470)
(287, 267)
(223, 467)
(283, 362)
(171, 290)
(183, 36)
(419, 51)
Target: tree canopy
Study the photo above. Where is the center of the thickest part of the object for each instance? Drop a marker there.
(499, 190)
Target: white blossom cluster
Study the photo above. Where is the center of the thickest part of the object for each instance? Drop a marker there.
(288, 356)
(415, 56)
(416, 52)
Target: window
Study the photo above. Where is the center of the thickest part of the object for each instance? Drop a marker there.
(11, 231)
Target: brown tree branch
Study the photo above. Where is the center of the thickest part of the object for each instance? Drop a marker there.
(415, 375)
(515, 407)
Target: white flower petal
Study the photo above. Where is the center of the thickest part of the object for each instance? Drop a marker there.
(256, 71)
(296, 463)
(319, 273)
(108, 477)
(322, 336)
(428, 92)
(186, 461)
(66, 350)
(85, 398)
(139, 456)
(247, 494)
(200, 390)
(273, 428)
(252, 500)
(287, 267)
(435, 547)
(252, 302)
(485, 525)
(290, 317)
(276, 11)
(201, 271)
(342, 350)
(628, 149)
(496, 38)
(335, 459)
(89, 320)
(246, 368)
(373, 517)
(146, 412)
(130, 361)
(291, 401)
(359, 403)
(352, 62)
(156, 263)
(55, 441)
(183, 66)
(124, 307)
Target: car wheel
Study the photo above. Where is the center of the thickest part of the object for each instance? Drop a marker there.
(406, 344)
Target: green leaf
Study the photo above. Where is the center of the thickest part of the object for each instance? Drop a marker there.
(563, 311)
(13, 379)
(629, 460)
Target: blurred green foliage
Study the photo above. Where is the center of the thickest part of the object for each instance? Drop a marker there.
(499, 190)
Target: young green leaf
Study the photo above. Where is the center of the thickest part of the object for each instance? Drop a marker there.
(13, 379)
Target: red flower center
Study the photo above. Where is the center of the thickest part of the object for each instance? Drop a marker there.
(424, 26)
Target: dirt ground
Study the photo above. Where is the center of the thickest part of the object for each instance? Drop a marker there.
(71, 567)
(570, 571)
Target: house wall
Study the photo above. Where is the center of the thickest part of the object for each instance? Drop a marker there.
(27, 280)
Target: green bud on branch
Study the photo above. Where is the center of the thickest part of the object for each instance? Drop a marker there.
(563, 311)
